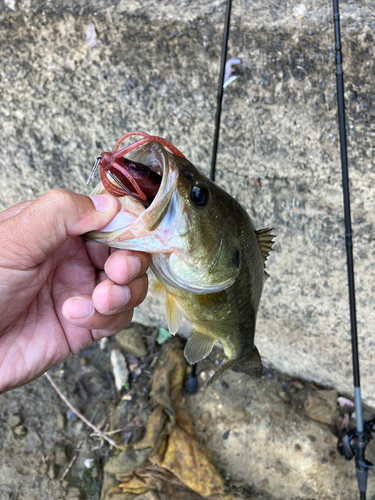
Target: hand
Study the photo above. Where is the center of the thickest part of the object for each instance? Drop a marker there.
(58, 293)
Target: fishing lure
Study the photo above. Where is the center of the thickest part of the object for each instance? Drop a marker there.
(121, 176)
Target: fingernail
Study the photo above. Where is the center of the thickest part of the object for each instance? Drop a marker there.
(103, 202)
(80, 308)
(134, 266)
(120, 296)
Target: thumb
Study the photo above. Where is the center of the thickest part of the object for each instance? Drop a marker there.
(42, 227)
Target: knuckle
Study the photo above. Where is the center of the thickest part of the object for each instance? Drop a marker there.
(57, 196)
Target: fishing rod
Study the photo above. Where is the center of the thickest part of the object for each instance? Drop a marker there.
(193, 379)
(352, 442)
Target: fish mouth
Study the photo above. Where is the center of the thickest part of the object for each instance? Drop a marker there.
(134, 221)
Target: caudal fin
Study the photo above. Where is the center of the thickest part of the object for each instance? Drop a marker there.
(251, 365)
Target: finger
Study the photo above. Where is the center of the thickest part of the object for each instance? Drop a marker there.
(12, 211)
(43, 226)
(98, 254)
(124, 265)
(110, 298)
(80, 312)
(101, 276)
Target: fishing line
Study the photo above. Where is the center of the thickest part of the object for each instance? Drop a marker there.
(193, 379)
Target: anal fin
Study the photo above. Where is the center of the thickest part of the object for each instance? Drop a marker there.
(173, 313)
(198, 347)
(251, 365)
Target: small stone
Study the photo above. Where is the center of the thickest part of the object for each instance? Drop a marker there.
(71, 415)
(52, 471)
(89, 463)
(14, 420)
(103, 343)
(61, 420)
(60, 456)
(205, 417)
(263, 484)
(44, 468)
(203, 376)
(345, 403)
(322, 406)
(84, 362)
(131, 341)
(33, 442)
(120, 369)
(19, 431)
(226, 435)
(298, 385)
(284, 396)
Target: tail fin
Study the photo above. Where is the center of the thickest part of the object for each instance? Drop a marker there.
(251, 365)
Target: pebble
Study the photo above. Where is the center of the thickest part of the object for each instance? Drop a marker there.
(60, 456)
(205, 417)
(71, 415)
(203, 376)
(52, 471)
(103, 343)
(120, 369)
(226, 435)
(284, 396)
(19, 431)
(89, 463)
(60, 420)
(322, 406)
(33, 442)
(14, 420)
(131, 341)
(345, 403)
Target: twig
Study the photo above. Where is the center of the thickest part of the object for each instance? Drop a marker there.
(75, 456)
(71, 463)
(79, 415)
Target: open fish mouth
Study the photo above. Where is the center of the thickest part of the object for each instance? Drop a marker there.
(145, 182)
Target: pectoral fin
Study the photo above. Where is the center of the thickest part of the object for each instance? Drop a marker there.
(157, 288)
(251, 365)
(198, 347)
(173, 313)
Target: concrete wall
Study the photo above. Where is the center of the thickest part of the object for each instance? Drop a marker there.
(154, 67)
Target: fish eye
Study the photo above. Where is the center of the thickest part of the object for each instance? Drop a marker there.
(199, 196)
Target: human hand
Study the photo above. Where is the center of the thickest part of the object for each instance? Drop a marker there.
(58, 293)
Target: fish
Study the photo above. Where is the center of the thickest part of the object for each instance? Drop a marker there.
(206, 255)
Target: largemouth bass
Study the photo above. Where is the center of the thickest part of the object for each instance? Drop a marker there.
(206, 255)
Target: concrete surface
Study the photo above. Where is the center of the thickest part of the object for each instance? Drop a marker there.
(154, 67)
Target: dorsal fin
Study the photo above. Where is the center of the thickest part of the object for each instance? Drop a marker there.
(265, 239)
(198, 347)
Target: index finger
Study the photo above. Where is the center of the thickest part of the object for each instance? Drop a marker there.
(124, 265)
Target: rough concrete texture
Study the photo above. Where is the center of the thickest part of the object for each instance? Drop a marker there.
(154, 67)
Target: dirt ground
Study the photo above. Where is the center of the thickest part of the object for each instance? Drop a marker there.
(256, 431)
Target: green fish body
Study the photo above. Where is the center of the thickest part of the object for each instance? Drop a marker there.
(206, 255)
